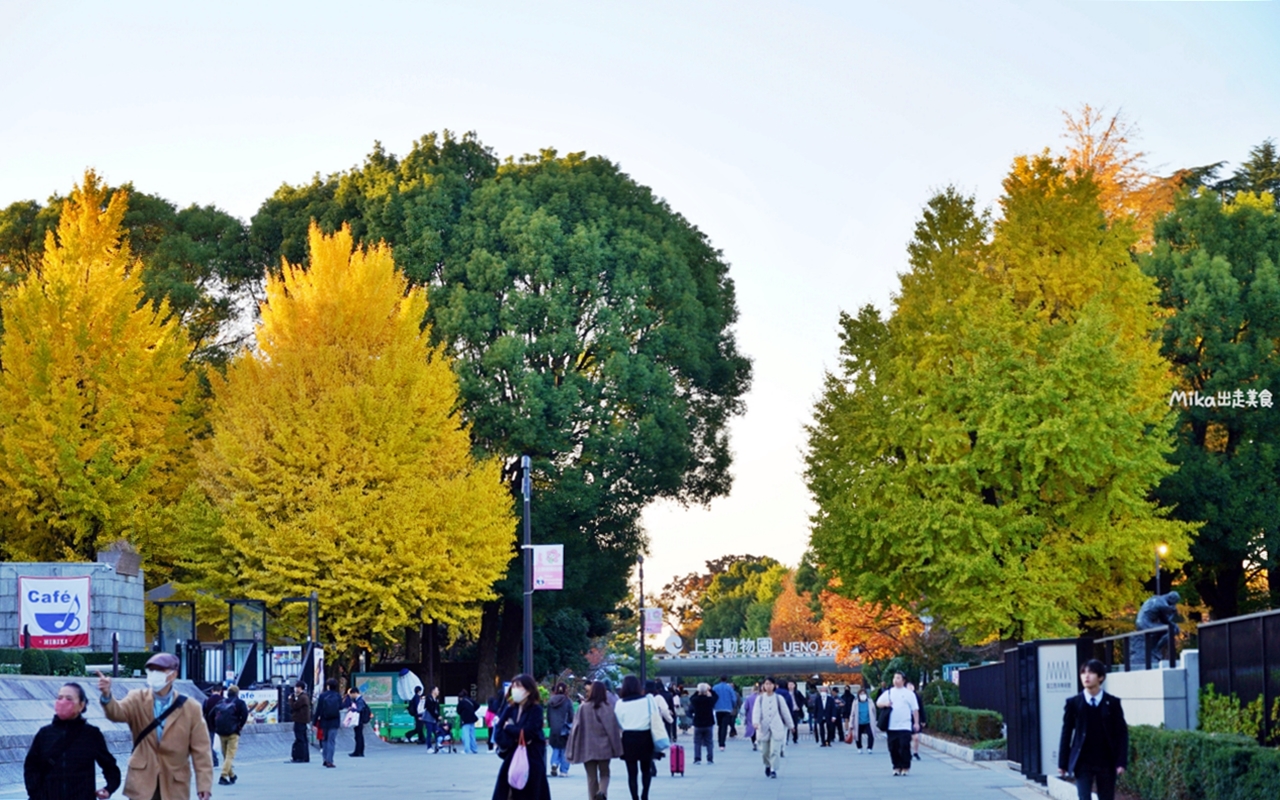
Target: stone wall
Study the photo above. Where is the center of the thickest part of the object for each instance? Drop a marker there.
(1168, 697)
(115, 605)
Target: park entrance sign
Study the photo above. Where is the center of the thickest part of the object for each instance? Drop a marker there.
(754, 656)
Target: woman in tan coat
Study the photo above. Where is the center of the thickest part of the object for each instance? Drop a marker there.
(595, 739)
(161, 764)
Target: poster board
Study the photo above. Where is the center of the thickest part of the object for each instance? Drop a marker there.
(55, 611)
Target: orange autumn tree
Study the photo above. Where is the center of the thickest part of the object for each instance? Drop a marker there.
(878, 632)
(1126, 190)
(793, 615)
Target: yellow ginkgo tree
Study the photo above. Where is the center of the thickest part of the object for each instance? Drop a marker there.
(95, 399)
(338, 463)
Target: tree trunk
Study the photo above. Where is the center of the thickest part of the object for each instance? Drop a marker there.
(510, 639)
(1221, 591)
(487, 652)
(413, 644)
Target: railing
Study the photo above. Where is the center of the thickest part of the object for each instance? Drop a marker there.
(1241, 656)
(1139, 649)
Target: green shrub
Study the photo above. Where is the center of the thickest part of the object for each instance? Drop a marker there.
(34, 662)
(1194, 765)
(991, 744)
(940, 693)
(968, 723)
(62, 662)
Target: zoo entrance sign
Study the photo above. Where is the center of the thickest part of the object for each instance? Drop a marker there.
(751, 648)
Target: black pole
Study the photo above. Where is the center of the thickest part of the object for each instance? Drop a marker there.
(115, 654)
(313, 618)
(526, 490)
(640, 562)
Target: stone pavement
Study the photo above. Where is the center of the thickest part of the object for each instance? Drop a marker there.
(808, 772)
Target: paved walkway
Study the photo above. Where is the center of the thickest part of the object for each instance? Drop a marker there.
(808, 772)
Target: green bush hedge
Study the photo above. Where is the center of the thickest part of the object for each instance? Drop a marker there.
(1194, 765)
(62, 662)
(940, 693)
(966, 722)
(34, 662)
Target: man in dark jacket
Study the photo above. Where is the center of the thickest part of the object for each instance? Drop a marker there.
(355, 702)
(210, 703)
(300, 712)
(329, 718)
(825, 713)
(467, 719)
(415, 711)
(1095, 737)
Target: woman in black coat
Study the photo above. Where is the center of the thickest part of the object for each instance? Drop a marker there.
(523, 714)
(59, 765)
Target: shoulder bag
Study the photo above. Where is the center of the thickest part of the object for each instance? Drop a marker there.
(155, 723)
(518, 772)
(657, 728)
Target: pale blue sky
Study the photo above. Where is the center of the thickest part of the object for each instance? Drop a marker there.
(803, 138)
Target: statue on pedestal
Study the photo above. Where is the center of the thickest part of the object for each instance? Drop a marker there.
(1156, 613)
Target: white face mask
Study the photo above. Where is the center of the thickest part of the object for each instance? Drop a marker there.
(157, 679)
(518, 694)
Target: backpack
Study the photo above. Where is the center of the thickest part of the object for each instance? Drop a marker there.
(366, 713)
(328, 706)
(225, 719)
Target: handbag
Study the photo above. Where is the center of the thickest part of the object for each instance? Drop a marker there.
(518, 772)
(351, 719)
(848, 735)
(657, 728)
(882, 718)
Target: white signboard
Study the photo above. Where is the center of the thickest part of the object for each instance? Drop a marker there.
(262, 705)
(55, 611)
(1056, 666)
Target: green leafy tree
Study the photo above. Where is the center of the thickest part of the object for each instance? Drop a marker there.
(986, 453)
(739, 601)
(591, 327)
(1217, 266)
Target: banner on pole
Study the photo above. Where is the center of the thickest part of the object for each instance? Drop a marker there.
(652, 620)
(548, 567)
(55, 611)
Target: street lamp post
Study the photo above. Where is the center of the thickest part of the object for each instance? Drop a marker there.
(526, 490)
(1161, 549)
(640, 562)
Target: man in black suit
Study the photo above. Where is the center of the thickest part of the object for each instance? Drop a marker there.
(826, 713)
(1095, 737)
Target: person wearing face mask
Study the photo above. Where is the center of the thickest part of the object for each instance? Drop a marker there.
(522, 719)
(60, 763)
(860, 720)
(170, 739)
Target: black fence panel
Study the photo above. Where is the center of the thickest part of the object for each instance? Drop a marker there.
(983, 687)
(1241, 656)
(1012, 720)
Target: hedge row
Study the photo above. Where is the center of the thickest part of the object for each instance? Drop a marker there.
(969, 723)
(1194, 765)
(61, 662)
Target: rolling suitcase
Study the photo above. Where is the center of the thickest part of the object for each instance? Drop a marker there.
(300, 753)
(676, 756)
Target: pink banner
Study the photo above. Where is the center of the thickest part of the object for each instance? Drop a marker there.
(548, 567)
(653, 620)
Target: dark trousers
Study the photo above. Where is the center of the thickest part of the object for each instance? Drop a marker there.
(864, 729)
(359, 730)
(723, 720)
(900, 749)
(637, 753)
(300, 743)
(1106, 779)
(701, 738)
(829, 731)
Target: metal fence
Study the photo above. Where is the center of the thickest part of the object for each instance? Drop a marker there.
(984, 687)
(1241, 656)
(1143, 649)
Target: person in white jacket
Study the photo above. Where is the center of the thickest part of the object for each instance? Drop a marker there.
(772, 721)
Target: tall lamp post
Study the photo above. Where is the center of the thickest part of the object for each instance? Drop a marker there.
(640, 562)
(1161, 550)
(526, 489)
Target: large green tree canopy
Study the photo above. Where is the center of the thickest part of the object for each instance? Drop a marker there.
(987, 452)
(1217, 265)
(592, 327)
